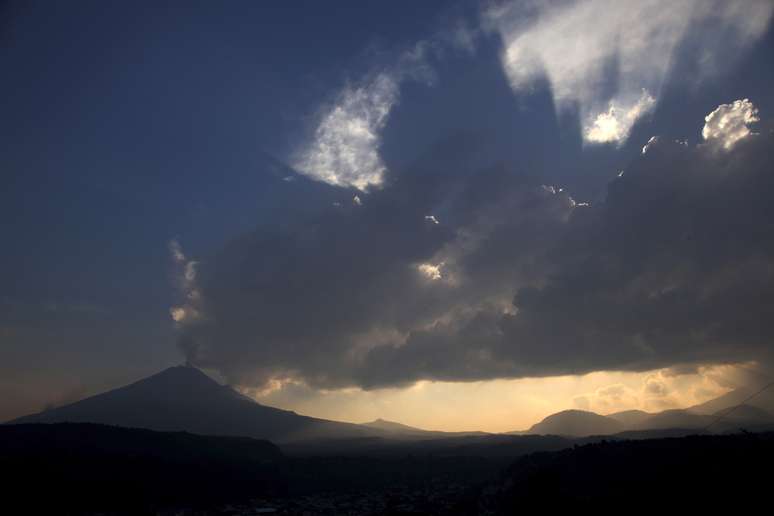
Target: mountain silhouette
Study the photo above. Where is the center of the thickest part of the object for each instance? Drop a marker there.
(630, 418)
(674, 418)
(576, 423)
(746, 414)
(183, 398)
(751, 395)
(399, 430)
(392, 426)
(715, 405)
(25, 440)
(728, 419)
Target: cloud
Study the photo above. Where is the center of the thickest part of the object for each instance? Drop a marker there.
(675, 267)
(321, 298)
(729, 123)
(609, 59)
(430, 271)
(345, 149)
(614, 397)
(582, 402)
(615, 124)
(655, 387)
(660, 389)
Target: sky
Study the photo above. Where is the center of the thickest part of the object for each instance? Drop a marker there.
(456, 215)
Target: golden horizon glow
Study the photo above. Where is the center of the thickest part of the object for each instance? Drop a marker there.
(507, 405)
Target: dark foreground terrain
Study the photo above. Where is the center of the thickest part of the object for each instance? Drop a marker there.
(84, 468)
(694, 473)
(98, 469)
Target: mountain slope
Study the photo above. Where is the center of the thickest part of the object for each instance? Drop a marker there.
(729, 399)
(751, 395)
(577, 423)
(674, 418)
(25, 440)
(747, 414)
(728, 419)
(630, 418)
(393, 427)
(185, 399)
(399, 430)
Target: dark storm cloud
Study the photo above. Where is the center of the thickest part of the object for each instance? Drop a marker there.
(677, 266)
(516, 279)
(312, 297)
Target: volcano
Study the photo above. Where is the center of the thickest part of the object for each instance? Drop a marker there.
(183, 398)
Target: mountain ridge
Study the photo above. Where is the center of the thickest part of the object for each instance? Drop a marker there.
(576, 423)
(183, 398)
(400, 430)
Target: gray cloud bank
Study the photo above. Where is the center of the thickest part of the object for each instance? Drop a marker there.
(509, 278)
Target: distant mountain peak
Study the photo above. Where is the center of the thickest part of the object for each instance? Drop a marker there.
(578, 423)
(383, 424)
(183, 382)
(185, 398)
(185, 370)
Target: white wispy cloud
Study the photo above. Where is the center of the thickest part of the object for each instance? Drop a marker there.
(608, 58)
(345, 149)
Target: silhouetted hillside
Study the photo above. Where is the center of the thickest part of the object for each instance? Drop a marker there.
(185, 399)
(731, 418)
(80, 468)
(746, 414)
(391, 429)
(75, 467)
(674, 418)
(576, 423)
(392, 426)
(630, 418)
(690, 473)
(760, 399)
(497, 446)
